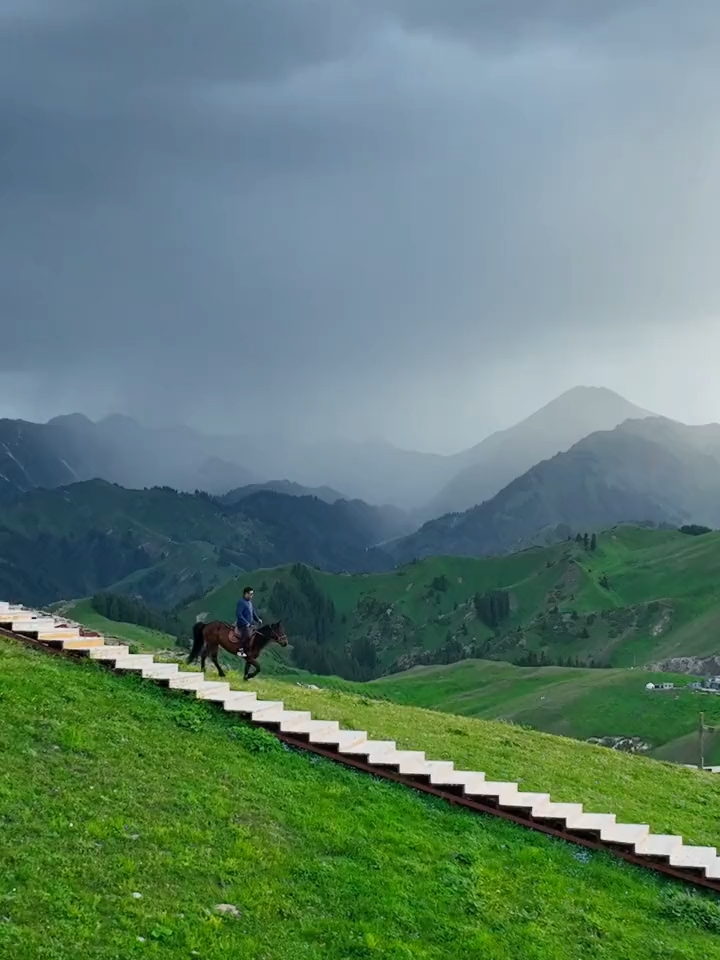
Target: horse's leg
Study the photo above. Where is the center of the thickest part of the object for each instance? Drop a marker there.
(256, 668)
(203, 657)
(216, 661)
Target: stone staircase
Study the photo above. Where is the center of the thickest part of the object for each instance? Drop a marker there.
(632, 841)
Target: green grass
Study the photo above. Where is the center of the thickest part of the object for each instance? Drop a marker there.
(144, 638)
(113, 788)
(663, 601)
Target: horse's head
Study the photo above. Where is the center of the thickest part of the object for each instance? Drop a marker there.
(277, 633)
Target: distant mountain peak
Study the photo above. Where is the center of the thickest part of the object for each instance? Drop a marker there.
(488, 467)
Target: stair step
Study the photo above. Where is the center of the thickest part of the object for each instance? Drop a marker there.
(415, 768)
(693, 857)
(342, 739)
(316, 728)
(402, 759)
(161, 671)
(458, 778)
(275, 715)
(32, 626)
(109, 652)
(368, 747)
(499, 790)
(564, 812)
(591, 822)
(263, 707)
(57, 634)
(534, 802)
(626, 834)
(213, 690)
(187, 680)
(134, 661)
(86, 643)
(293, 719)
(658, 845)
(241, 703)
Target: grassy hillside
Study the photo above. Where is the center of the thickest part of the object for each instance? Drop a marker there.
(129, 815)
(641, 596)
(573, 703)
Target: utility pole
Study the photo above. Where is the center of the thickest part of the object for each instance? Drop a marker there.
(701, 731)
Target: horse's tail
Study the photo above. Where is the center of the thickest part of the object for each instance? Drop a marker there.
(198, 640)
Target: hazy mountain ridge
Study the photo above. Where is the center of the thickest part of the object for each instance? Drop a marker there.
(507, 454)
(120, 450)
(651, 470)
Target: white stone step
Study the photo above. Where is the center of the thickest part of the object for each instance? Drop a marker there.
(693, 857)
(591, 822)
(712, 870)
(57, 634)
(626, 834)
(658, 845)
(427, 768)
(533, 802)
(293, 719)
(276, 715)
(263, 707)
(368, 747)
(317, 731)
(85, 644)
(161, 671)
(187, 681)
(109, 652)
(27, 625)
(212, 690)
(134, 661)
(563, 812)
(240, 703)
(458, 778)
(407, 761)
(498, 790)
(342, 739)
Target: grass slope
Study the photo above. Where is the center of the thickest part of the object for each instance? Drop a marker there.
(129, 814)
(569, 702)
(662, 599)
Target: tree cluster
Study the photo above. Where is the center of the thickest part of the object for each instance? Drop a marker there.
(124, 609)
(492, 608)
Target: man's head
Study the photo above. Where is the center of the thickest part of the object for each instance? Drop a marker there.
(248, 593)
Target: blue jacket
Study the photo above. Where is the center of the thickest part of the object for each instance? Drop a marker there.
(245, 613)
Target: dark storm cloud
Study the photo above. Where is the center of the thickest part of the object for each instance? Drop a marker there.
(356, 209)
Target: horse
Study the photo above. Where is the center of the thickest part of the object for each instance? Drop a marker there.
(209, 637)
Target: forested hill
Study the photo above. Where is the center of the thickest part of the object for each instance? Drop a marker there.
(628, 596)
(166, 546)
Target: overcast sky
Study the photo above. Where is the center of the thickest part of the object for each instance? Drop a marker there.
(409, 219)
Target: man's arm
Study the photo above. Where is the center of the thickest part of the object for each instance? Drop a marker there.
(256, 618)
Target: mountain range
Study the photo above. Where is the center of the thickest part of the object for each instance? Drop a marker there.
(63, 534)
(118, 449)
(653, 470)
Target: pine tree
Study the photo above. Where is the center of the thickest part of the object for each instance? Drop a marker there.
(593, 542)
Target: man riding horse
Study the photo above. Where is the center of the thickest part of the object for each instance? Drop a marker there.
(245, 619)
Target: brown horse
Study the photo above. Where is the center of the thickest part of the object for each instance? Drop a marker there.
(209, 637)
